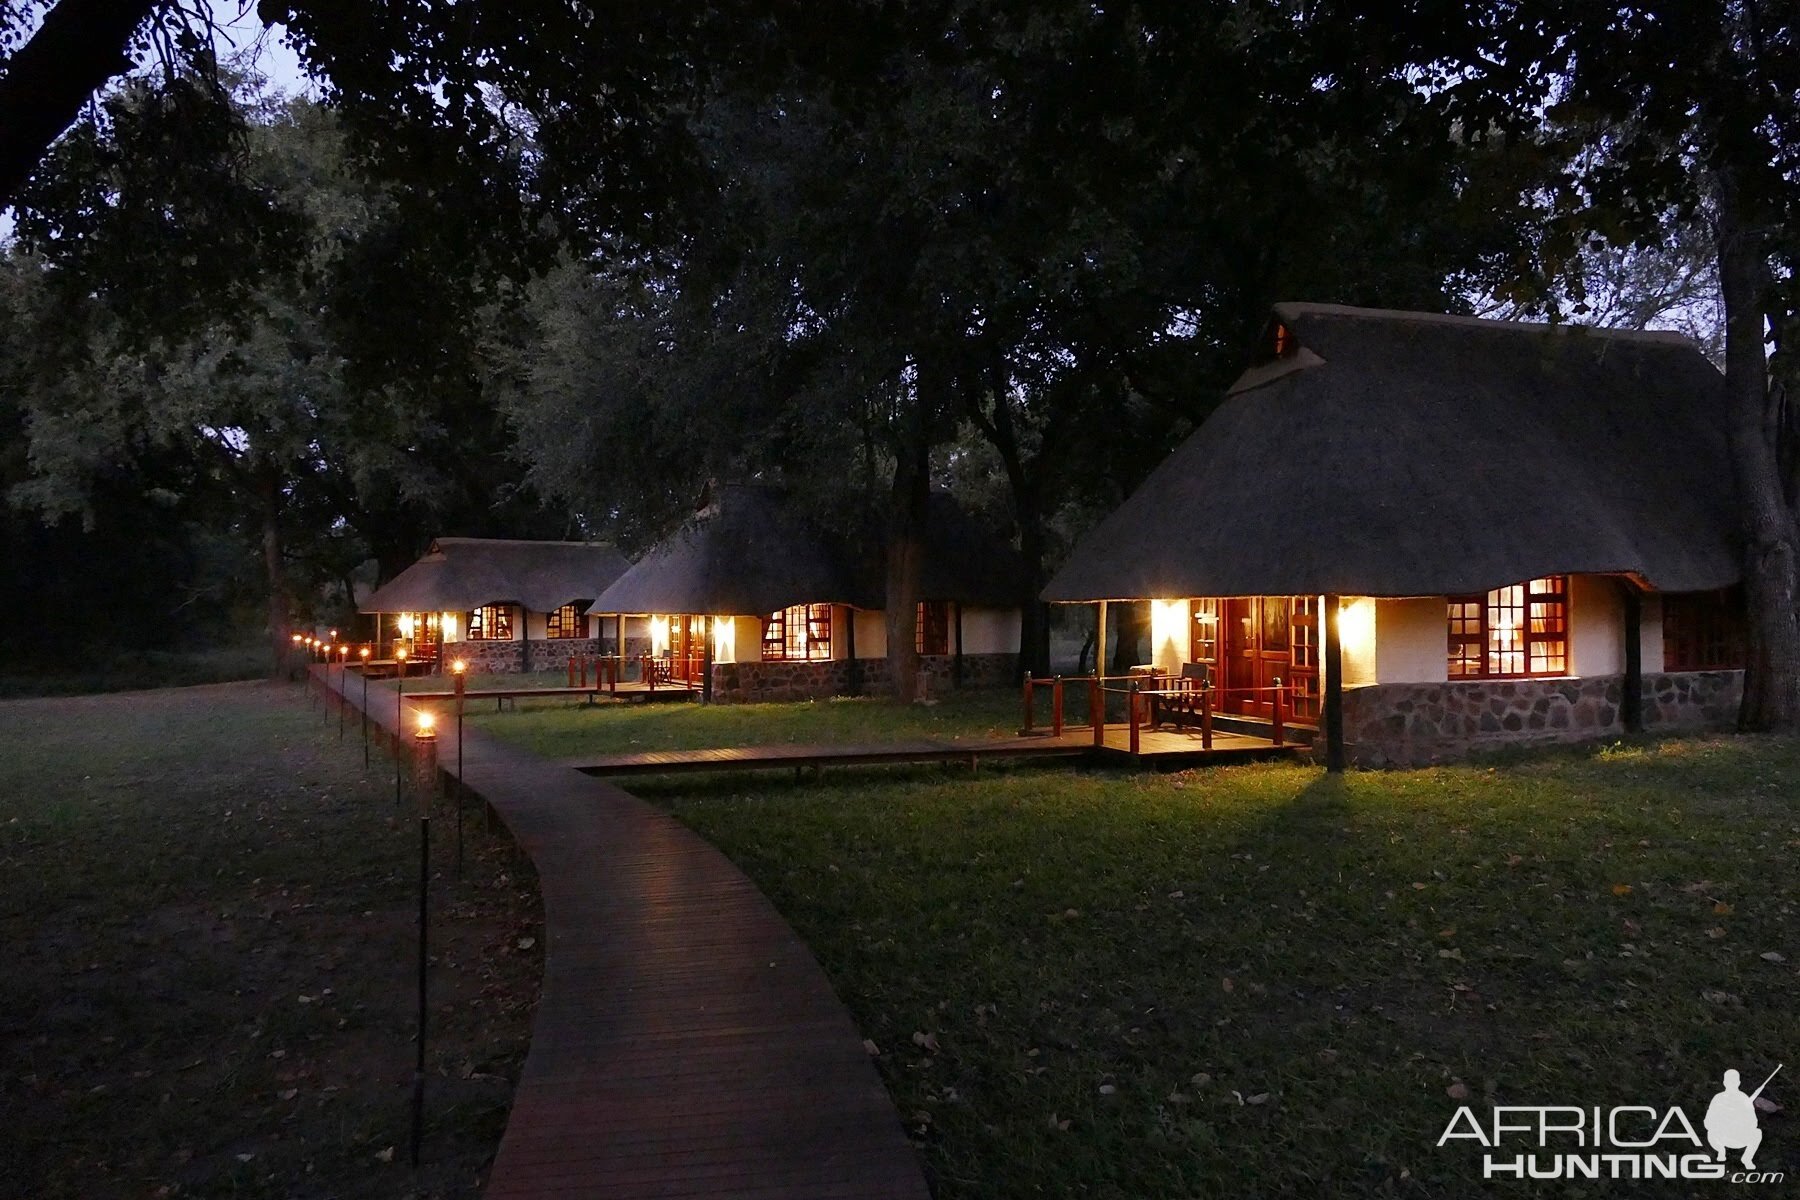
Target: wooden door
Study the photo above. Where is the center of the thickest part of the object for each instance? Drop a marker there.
(1259, 648)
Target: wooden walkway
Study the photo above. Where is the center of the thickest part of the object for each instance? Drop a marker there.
(1155, 748)
(686, 1042)
(624, 691)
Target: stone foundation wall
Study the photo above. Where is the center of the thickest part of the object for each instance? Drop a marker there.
(508, 658)
(1402, 724)
(753, 681)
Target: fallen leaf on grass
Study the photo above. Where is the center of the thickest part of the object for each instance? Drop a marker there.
(386, 1156)
(1227, 984)
(870, 1048)
(1715, 932)
(288, 1093)
(928, 1041)
(1259, 1098)
(1107, 1089)
(1621, 889)
(527, 943)
(1764, 1104)
(1774, 956)
(1457, 1090)
(1721, 909)
(1058, 1123)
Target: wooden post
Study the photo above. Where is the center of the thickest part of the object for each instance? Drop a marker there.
(524, 640)
(1132, 696)
(706, 657)
(1631, 688)
(956, 664)
(1278, 730)
(1056, 707)
(571, 666)
(1026, 728)
(1097, 709)
(1333, 708)
(1100, 642)
(850, 651)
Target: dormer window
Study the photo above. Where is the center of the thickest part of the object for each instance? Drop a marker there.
(1281, 341)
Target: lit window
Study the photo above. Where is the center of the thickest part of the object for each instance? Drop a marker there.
(566, 622)
(931, 629)
(491, 623)
(798, 633)
(1512, 632)
(1703, 631)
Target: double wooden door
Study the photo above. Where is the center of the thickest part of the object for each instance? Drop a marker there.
(1269, 640)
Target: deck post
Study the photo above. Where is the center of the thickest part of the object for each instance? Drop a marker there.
(1205, 716)
(1097, 709)
(706, 659)
(1333, 713)
(855, 673)
(1026, 728)
(571, 665)
(1631, 689)
(524, 640)
(1132, 696)
(1278, 713)
(1056, 707)
(1100, 642)
(956, 664)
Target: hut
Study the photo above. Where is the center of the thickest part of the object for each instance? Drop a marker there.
(1429, 533)
(490, 601)
(753, 601)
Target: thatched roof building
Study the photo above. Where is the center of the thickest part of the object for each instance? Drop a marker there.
(749, 552)
(1395, 454)
(460, 574)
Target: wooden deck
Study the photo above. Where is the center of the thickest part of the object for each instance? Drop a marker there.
(1155, 748)
(686, 1042)
(624, 691)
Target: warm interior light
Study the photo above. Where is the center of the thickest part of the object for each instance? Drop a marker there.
(405, 624)
(1356, 627)
(659, 634)
(449, 627)
(427, 724)
(1168, 632)
(724, 639)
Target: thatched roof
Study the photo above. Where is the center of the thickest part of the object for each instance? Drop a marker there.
(1411, 454)
(751, 553)
(458, 574)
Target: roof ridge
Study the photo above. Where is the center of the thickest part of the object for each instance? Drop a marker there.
(1293, 309)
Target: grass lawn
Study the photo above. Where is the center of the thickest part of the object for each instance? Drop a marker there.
(136, 669)
(562, 729)
(1260, 981)
(208, 908)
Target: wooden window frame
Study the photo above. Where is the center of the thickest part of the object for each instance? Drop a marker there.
(501, 623)
(1530, 642)
(797, 633)
(931, 627)
(557, 623)
(1704, 631)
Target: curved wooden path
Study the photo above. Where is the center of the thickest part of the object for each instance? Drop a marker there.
(686, 1044)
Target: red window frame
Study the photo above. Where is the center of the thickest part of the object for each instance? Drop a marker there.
(931, 627)
(566, 621)
(797, 633)
(1704, 631)
(1520, 631)
(491, 623)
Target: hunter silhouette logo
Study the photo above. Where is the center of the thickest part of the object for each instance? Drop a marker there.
(1630, 1141)
(1731, 1119)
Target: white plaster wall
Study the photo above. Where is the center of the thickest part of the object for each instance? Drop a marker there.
(995, 631)
(1650, 634)
(744, 642)
(1412, 638)
(454, 626)
(536, 626)
(1596, 626)
(1357, 623)
(871, 633)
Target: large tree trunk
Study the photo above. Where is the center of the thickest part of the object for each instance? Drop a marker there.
(268, 486)
(1771, 547)
(906, 564)
(1034, 622)
(1127, 621)
(80, 45)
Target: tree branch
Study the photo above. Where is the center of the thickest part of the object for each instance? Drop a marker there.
(81, 45)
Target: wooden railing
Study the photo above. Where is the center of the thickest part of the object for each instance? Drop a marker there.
(1194, 697)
